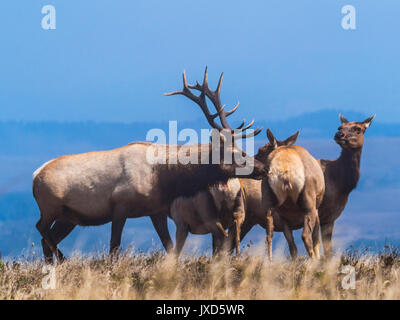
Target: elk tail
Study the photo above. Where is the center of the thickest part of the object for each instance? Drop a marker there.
(287, 186)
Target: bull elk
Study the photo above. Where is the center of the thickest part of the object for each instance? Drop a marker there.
(110, 186)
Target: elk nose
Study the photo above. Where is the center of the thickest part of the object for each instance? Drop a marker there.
(339, 135)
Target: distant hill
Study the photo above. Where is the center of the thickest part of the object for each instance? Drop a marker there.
(39, 138)
(323, 124)
(371, 215)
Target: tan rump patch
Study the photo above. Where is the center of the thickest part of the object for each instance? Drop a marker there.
(37, 171)
(286, 175)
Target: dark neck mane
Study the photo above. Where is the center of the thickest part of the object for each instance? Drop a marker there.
(347, 169)
(185, 180)
(261, 156)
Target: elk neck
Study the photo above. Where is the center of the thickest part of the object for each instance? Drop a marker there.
(261, 156)
(348, 168)
(177, 180)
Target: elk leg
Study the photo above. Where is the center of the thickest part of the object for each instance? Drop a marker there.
(290, 240)
(237, 236)
(244, 230)
(326, 233)
(58, 232)
(230, 241)
(307, 201)
(182, 231)
(48, 254)
(160, 223)
(270, 233)
(309, 223)
(315, 237)
(217, 242)
(43, 227)
(116, 232)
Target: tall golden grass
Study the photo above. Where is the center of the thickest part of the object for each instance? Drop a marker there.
(158, 276)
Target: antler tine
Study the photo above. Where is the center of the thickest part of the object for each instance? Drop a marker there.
(228, 113)
(218, 91)
(218, 113)
(248, 126)
(214, 97)
(185, 86)
(245, 135)
(199, 100)
(241, 125)
(257, 131)
(201, 87)
(205, 80)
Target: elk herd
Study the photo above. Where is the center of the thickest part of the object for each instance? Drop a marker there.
(286, 189)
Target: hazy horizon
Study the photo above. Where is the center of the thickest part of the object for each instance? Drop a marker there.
(370, 218)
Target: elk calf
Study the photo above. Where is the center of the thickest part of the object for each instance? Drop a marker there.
(211, 211)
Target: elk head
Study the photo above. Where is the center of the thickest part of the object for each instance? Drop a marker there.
(232, 158)
(350, 134)
(264, 151)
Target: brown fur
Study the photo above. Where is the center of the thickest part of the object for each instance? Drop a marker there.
(211, 211)
(341, 177)
(303, 193)
(110, 186)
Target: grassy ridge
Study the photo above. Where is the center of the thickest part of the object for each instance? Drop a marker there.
(157, 276)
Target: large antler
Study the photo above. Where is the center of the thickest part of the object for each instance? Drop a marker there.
(214, 96)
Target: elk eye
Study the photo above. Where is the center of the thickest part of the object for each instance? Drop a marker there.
(357, 129)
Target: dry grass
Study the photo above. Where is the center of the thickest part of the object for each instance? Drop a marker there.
(156, 276)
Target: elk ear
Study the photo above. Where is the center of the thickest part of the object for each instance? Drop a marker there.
(342, 118)
(291, 140)
(272, 140)
(367, 122)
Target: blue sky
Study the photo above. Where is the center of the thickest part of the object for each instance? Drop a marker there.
(112, 60)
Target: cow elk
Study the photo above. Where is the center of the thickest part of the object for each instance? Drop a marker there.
(110, 186)
(341, 177)
(294, 188)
